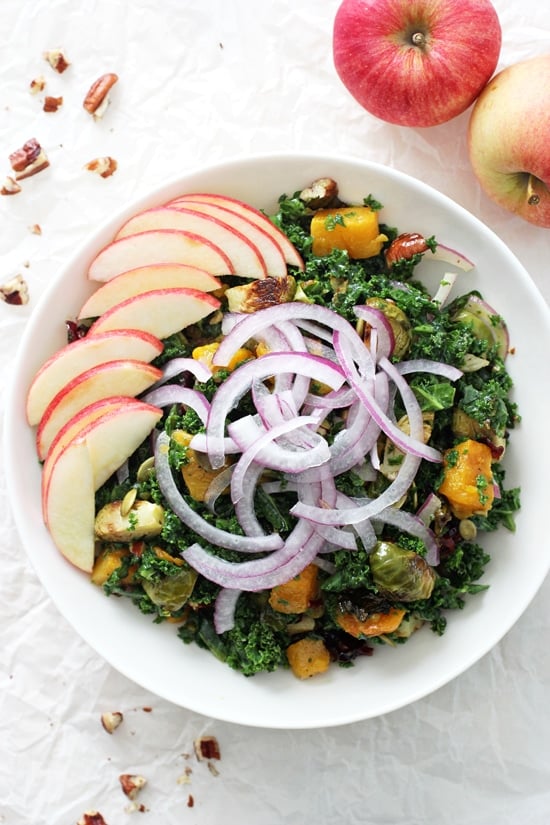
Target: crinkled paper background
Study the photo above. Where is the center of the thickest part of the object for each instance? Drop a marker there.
(201, 81)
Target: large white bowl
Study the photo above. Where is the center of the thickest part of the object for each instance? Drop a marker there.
(152, 655)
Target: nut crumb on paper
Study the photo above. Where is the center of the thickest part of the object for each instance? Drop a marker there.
(213, 769)
(91, 818)
(35, 229)
(57, 60)
(15, 291)
(134, 807)
(10, 186)
(190, 801)
(185, 777)
(104, 167)
(98, 96)
(111, 720)
(131, 784)
(207, 748)
(37, 85)
(52, 104)
(28, 160)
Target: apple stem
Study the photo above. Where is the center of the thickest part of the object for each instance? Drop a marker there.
(533, 199)
(418, 39)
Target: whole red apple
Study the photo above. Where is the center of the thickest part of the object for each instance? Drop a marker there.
(416, 62)
(509, 139)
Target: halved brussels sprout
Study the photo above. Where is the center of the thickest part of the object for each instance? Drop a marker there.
(172, 592)
(400, 324)
(401, 573)
(485, 322)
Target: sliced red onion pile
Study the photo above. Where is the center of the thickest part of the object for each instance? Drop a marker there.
(317, 366)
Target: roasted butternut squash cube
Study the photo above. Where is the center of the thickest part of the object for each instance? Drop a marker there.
(468, 480)
(106, 563)
(197, 478)
(377, 624)
(308, 657)
(296, 595)
(353, 228)
(206, 353)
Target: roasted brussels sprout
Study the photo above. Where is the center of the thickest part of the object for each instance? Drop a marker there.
(115, 523)
(398, 321)
(485, 323)
(402, 574)
(171, 592)
(260, 294)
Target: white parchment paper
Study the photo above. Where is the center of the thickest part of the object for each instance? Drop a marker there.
(200, 81)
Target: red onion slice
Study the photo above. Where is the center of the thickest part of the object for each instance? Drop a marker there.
(300, 549)
(175, 394)
(177, 366)
(212, 534)
(375, 318)
(239, 382)
(224, 609)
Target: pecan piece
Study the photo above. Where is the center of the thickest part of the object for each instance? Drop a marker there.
(52, 104)
(57, 60)
(15, 291)
(38, 84)
(207, 747)
(105, 167)
(131, 784)
(28, 160)
(321, 193)
(405, 246)
(111, 721)
(97, 99)
(10, 187)
(91, 818)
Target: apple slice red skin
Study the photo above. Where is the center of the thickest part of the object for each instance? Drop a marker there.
(75, 425)
(99, 382)
(289, 251)
(246, 259)
(85, 353)
(81, 467)
(162, 312)
(143, 279)
(265, 243)
(159, 246)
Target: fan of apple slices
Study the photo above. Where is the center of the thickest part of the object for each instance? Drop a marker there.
(155, 278)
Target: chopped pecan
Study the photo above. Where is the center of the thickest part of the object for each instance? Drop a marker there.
(207, 747)
(131, 784)
(15, 291)
(321, 193)
(57, 60)
(91, 818)
(52, 104)
(111, 721)
(38, 84)
(105, 167)
(405, 246)
(36, 229)
(10, 187)
(190, 801)
(97, 99)
(28, 160)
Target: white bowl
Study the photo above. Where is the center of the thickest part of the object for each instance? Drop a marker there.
(152, 655)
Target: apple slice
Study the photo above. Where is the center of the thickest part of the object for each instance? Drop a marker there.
(162, 312)
(143, 279)
(77, 423)
(81, 355)
(267, 246)
(290, 253)
(159, 246)
(121, 377)
(244, 256)
(81, 467)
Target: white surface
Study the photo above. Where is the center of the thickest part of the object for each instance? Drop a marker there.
(201, 82)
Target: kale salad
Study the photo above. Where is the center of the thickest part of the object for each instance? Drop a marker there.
(329, 456)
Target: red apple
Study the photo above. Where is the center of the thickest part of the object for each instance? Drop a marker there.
(416, 63)
(509, 139)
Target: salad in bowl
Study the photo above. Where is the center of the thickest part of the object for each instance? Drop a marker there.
(276, 434)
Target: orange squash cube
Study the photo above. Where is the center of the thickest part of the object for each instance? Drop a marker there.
(308, 657)
(468, 480)
(353, 228)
